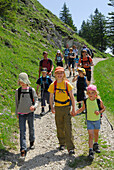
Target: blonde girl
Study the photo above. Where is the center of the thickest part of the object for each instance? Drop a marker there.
(93, 118)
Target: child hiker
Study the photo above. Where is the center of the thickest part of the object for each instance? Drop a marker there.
(26, 103)
(81, 85)
(61, 90)
(95, 107)
(44, 81)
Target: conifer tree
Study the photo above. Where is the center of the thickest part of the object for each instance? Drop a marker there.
(66, 17)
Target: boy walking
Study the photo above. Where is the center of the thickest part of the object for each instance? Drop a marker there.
(44, 81)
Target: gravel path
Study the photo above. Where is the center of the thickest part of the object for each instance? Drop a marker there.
(46, 156)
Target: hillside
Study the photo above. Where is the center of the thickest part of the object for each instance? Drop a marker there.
(22, 43)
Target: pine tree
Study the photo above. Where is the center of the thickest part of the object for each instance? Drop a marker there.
(110, 26)
(94, 31)
(66, 17)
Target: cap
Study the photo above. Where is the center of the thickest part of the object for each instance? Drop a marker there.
(45, 52)
(59, 69)
(58, 51)
(92, 87)
(23, 77)
(81, 69)
(44, 69)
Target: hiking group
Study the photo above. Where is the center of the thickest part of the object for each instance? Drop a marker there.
(60, 98)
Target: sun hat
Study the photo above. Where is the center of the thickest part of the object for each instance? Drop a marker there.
(44, 69)
(23, 77)
(58, 51)
(91, 87)
(81, 69)
(59, 69)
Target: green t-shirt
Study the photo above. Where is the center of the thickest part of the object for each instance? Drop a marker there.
(92, 106)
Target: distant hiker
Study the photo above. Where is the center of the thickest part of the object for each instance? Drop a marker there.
(26, 103)
(59, 58)
(71, 57)
(75, 50)
(66, 51)
(87, 49)
(93, 118)
(46, 62)
(81, 85)
(86, 62)
(61, 90)
(44, 81)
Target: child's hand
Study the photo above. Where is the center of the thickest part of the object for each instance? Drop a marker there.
(32, 108)
(97, 112)
(53, 110)
(72, 112)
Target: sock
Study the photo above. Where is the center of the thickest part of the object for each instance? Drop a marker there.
(49, 107)
(42, 109)
(95, 143)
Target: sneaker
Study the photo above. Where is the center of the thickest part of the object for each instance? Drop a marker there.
(23, 154)
(32, 145)
(91, 155)
(42, 113)
(96, 148)
(62, 147)
(71, 152)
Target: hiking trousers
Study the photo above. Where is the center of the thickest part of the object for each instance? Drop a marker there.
(64, 126)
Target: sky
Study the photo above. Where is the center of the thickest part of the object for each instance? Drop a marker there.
(79, 9)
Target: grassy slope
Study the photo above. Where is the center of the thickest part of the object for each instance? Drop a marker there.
(21, 44)
(105, 70)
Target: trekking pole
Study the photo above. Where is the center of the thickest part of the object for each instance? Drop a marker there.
(108, 122)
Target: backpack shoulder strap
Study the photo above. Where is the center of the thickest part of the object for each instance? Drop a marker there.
(31, 95)
(66, 88)
(98, 103)
(19, 93)
(88, 59)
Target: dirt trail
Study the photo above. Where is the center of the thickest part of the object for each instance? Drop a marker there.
(46, 156)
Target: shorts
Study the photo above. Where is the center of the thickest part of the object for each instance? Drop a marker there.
(71, 62)
(80, 95)
(88, 75)
(93, 124)
(60, 64)
(44, 96)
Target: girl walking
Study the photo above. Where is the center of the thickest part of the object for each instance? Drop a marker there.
(61, 90)
(26, 103)
(93, 118)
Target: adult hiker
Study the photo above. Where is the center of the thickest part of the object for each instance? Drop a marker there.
(46, 62)
(59, 58)
(44, 81)
(86, 62)
(93, 118)
(87, 49)
(75, 50)
(66, 51)
(26, 103)
(81, 85)
(71, 57)
(61, 91)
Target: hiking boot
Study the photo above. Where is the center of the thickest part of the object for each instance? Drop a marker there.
(71, 152)
(91, 155)
(32, 145)
(70, 74)
(96, 148)
(42, 113)
(62, 147)
(23, 154)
